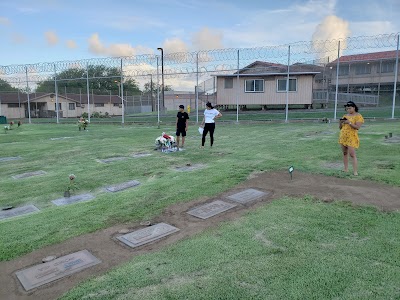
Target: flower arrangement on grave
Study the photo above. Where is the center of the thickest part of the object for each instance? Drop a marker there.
(82, 124)
(165, 141)
(71, 186)
(7, 128)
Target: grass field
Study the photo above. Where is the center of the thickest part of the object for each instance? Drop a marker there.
(253, 114)
(291, 249)
(237, 259)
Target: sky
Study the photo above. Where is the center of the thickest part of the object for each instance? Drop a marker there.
(34, 31)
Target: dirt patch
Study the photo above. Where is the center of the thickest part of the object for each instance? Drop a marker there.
(104, 245)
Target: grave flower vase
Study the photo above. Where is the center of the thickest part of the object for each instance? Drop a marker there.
(67, 194)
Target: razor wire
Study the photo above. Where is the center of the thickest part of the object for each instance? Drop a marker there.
(209, 60)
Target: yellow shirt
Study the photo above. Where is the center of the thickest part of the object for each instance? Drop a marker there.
(349, 135)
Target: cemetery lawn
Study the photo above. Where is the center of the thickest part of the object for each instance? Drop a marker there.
(291, 248)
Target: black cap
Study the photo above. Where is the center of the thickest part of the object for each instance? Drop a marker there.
(350, 103)
(181, 106)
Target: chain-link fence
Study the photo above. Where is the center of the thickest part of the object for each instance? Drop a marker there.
(303, 80)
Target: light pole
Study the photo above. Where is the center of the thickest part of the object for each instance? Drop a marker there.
(162, 77)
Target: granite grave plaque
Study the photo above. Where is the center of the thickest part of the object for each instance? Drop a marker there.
(112, 159)
(189, 168)
(61, 138)
(147, 235)
(138, 155)
(73, 199)
(247, 196)
(211, 209)
(10, 158)
(122, 186)
(333, 165)
(38, 275)
(18, 211)
(29, 174)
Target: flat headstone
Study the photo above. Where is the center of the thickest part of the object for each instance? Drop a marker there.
(147, 235)
(61, 138)
(122, 186)
(333, 165)
(138, 155)
(211, 209)
(189, 168)
(10, 158)
(247, 196)
(18, 211)
(29, 174)
(39, 275)
(112, 159)
(73, 199)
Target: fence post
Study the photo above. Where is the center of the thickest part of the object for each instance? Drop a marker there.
(287, 87)
(337, 80)
(158, 97)
(56, 91)
(238, 87)
(197, 87)
(395, 76)
(27, 93)
(122, 95)
(87, 91)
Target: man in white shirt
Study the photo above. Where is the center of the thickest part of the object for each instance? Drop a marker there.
(208, 123)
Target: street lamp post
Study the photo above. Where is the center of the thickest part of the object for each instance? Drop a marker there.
(162, 77)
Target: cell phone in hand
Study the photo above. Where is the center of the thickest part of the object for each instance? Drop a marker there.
(343, 119)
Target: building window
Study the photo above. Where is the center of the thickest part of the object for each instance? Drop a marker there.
(343, 70)
(71, 106)
(99, 105)
(387, 67)
(55, 106)
(363, 69)
(13, 105)
(228, 83)
(281, 85)
(254, 86)
(116, 104)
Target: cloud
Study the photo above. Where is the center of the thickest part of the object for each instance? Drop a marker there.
(207, 39)
(175, 45)
(71, 44)
(4, 21)
(263, 27)
(27, 10)
(326, 34)
(51, 38)
(17, 38)
(97, 47)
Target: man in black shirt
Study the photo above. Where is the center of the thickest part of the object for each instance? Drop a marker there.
(181, 125)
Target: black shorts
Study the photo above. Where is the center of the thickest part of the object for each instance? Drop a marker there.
(181, 130)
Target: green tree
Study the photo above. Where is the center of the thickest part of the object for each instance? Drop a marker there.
(6, 87)
(102, 80)
(147, 88)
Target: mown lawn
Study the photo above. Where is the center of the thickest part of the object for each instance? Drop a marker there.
(237, 261)
(290, 249)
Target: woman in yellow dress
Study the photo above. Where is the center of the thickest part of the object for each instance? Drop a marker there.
(349, 125)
